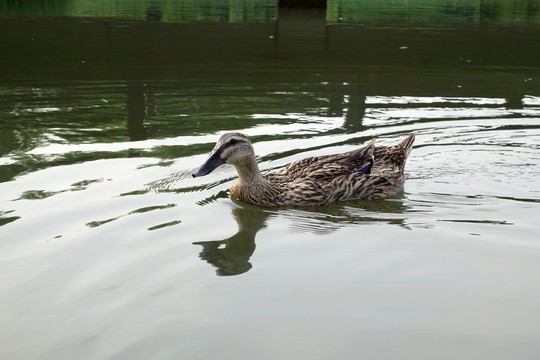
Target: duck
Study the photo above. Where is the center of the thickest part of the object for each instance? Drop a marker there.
(369, 173)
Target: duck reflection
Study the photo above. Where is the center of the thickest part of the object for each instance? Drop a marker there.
(231, 256)
(333, 217)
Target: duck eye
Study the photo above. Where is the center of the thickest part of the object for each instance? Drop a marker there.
(233, 141)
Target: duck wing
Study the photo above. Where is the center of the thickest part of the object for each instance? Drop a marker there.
(327, 166)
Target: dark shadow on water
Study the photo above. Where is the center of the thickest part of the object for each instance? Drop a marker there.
(136, 111)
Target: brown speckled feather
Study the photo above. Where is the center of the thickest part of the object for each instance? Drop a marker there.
(317, 180)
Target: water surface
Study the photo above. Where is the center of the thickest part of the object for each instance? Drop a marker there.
(110, 249)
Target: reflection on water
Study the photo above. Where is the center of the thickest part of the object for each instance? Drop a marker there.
(149, 10)
(338, 11)
(326, 220)
(102, 122)
(429, 11)
(231, 256)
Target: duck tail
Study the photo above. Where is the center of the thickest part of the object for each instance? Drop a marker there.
(406, 145)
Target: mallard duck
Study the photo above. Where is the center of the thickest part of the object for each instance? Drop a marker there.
(370, 172)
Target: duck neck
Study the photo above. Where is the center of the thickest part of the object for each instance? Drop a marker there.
(248, 172)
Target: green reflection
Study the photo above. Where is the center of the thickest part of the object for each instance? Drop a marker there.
(421, 12)
(137, 81)
(96, 223)
(7, 219)
(338, 11)
(150, 10)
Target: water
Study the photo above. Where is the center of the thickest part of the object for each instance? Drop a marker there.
(110, 249)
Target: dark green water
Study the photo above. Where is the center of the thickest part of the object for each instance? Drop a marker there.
(110, 249)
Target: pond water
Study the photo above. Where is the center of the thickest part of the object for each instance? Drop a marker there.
(110, 249)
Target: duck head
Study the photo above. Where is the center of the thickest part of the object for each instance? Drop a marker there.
(232, 148)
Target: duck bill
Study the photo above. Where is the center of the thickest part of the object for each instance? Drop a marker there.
(210, 165)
